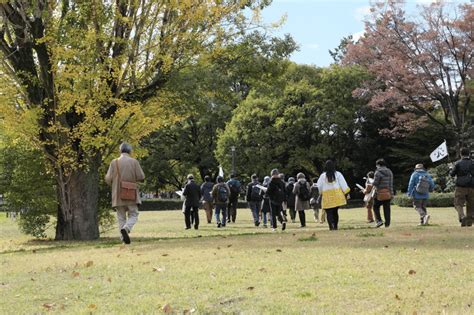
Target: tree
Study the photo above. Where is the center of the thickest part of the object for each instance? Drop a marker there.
(211, 89)
(311, 118)
(422, 67)
(89, 74)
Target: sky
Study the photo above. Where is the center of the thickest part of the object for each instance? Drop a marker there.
(319, 25)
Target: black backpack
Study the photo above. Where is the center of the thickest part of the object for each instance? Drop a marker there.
(222, 194)
(255, 193)
(304, 194)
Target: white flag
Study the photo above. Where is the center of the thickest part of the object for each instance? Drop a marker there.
(221, 172)
(440, 152)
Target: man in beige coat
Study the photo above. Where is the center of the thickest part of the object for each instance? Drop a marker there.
(129, 170)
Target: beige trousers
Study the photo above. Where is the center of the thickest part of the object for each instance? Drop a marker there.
(123, 221)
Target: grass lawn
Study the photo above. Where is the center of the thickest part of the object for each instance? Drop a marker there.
(243, 269)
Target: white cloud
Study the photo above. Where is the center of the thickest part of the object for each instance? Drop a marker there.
(357, 36)
(425, 1)
(361, 13)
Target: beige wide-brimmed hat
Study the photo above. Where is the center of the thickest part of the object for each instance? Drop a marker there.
(419, 167)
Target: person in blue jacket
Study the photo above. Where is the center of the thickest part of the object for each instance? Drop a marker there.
(419, 188)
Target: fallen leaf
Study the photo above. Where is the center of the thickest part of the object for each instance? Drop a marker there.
(218, 247)
(278, 250)
(89, 263)
(262, 270)
(385, 246)
(230, 245)
(92, 306)
(213, 275)
(33, 279)
(422, 293)
(166, 308)
(159, 269)
(397, 297)
(412, 272)
(109, 279)
(34, 251)
(250, 288)
(75, 274)
(164, 255)
(48, 305)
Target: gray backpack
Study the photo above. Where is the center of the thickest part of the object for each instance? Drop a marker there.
(423, 186)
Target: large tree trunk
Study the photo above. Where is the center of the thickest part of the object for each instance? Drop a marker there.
(78, 205)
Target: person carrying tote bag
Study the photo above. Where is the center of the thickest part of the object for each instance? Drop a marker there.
(383, 183)
(333, 189)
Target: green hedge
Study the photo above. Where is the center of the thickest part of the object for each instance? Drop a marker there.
(435, 200)
(170, 204)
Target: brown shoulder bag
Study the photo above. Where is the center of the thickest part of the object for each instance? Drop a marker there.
(383, 194)
(128, 190)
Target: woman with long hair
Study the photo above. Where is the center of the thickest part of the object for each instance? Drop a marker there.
(333, 188)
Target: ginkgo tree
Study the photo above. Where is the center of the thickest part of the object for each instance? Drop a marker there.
(79, 77)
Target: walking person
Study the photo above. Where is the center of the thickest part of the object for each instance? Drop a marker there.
(464, 193)
(315, 201)
(302, 191)
(220, 196)
(234, 186)
(276, 193)
(284, 204)
(206, 193)
(419, 187)
(265, 201)
(291, 198)
(254, 199)
(123, 174)
(383, 183)
(333, 189)
(192, 193)
(369, 193)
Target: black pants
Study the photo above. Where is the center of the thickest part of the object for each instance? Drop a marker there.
(386, 211)
(302, 217)
(232, 210)
(276, 213)
(333, 218)
(292, 212)
(191, 215)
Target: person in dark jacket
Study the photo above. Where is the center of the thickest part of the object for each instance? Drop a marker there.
(464, 193)
(419, 187)
(290, 198)
(383, 182)
(276, 193)
(220, 197)
(302, 191)
(234, 186)
(254, 199)
(206, 192)
(315, 201)
(265, 201)
(192, 193)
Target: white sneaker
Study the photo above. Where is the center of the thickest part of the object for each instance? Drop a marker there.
(426, 219)
(273, 230)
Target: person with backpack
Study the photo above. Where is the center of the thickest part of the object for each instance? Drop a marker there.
(192, 193)
(302, 191)
(276, 193)
(315, 201)
(291, 198)
(419, 187)
(206, 192)
(220, 196)
(234, 186)
(254, 199)
(464, 193)
(383, 183)
(333, 189)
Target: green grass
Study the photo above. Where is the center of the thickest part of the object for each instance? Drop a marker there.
(242, 269)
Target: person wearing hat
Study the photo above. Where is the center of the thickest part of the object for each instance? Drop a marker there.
(419, 187)
(291, 198)
(192, 193)
(302, 191)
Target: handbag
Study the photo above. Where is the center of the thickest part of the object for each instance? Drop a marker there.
(383, 194)
(128, 190)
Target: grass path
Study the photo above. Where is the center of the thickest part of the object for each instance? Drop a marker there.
(243, 269)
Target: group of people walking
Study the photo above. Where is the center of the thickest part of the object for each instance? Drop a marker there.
(270, 200)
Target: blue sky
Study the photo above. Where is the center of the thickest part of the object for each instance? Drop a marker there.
(319, 25)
